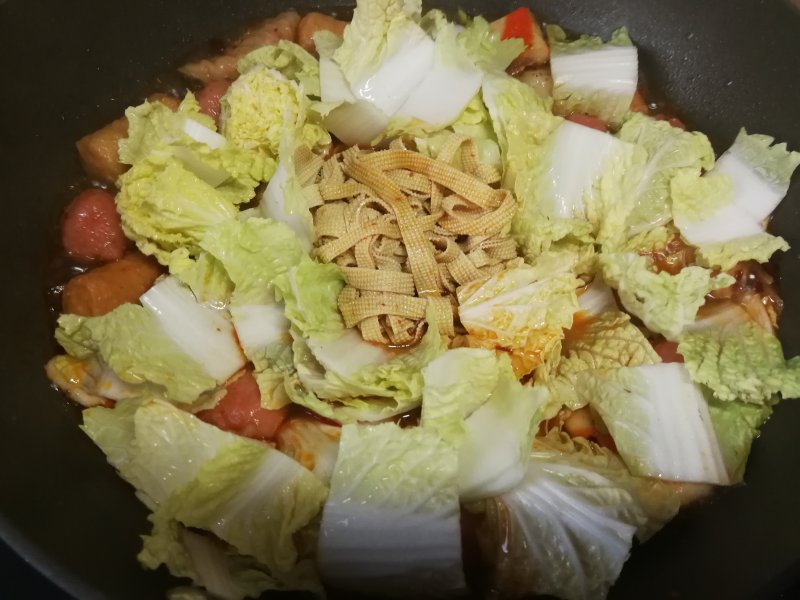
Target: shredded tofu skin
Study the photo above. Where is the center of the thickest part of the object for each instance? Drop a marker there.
(407, 230)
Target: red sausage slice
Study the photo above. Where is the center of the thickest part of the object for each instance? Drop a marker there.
(209, 96)
(240, 411)
(91, 228)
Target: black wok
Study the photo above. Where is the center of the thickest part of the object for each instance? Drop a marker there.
(68, 68)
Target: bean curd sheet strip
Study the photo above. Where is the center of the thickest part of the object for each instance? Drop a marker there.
(407, 230)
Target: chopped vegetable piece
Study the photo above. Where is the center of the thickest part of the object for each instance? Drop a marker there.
(592, 77)
(393, 505)
(312, 443)
(660, 422)
(666, 152)
(200, 331)
(570, 527)
(665, 303)
(472, 399)
(132, 343)
(246, 493)
(740, 361)
(522, 311)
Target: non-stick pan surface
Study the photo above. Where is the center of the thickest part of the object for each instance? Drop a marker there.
(67, 68)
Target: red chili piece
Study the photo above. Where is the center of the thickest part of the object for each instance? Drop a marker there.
(519, 24)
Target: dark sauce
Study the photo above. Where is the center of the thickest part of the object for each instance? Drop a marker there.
(408, 419)
(659, 106)
(673, 257)
(60, 270)
(752, 279)
(301, 412)
(477, 566)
